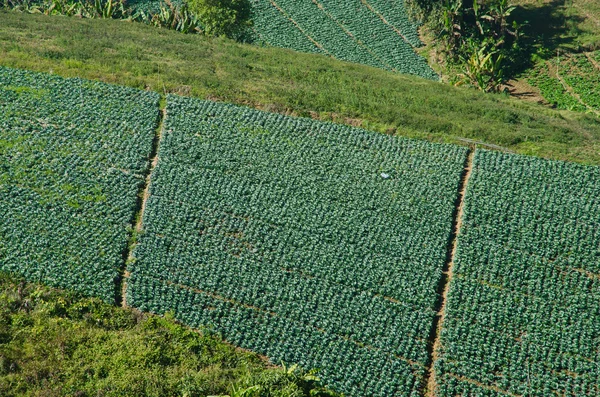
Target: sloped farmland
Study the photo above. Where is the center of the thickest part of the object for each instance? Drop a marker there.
(309, 242)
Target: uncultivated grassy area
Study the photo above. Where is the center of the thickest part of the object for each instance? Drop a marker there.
(292, 83)
(56, 343)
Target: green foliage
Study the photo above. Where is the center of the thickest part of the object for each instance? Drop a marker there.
(523, 312)
(167, 15)
(349, 30)
(171, 16)
(229, 18)
(569, 81)
(78, 8)
(309, 242)
(481, 37)
(72, 155)
(61, 344)
(552, 89)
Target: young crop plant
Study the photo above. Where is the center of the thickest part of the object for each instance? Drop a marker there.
(523, 314)
(309, 242)
(72, 155)
(553, 90)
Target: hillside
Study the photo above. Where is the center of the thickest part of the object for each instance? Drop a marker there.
(397, 266)
(377, 33)
(292, 83)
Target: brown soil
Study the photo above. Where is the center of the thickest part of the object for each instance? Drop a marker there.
(519, 88)
(140, 216)
(448, 274)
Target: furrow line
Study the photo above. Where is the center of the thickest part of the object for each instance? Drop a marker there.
(430, 386)
(142, 199)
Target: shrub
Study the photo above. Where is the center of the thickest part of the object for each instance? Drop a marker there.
(228, 18)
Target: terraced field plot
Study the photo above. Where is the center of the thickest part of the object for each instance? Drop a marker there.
(309, 242)
(375, 32)
(523, 314)
(71, 155)
(570, 82)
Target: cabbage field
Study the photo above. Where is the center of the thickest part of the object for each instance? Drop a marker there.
(378, 33)
(523, 314)
(71, 155)
(308, 242)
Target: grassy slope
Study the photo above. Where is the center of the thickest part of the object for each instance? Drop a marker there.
(288, 82)
(56, 343)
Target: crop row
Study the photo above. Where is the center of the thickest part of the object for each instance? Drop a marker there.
(347, 31)
(71, 157)
(552, 89)
(336, 232)
(396, 14)
(580, 73)
(584, 77)
(523, 314)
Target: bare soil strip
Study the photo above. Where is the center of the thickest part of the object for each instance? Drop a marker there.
(434, 346)
(142, 200)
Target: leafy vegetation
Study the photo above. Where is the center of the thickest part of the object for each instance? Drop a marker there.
(62, 344)
(523, 310)
(309, 242)
(354, 31)
(73, 154)
(480, 38)
(212, 17)
(569, 81)
(552, 89)
(229, 18)
(291, 83)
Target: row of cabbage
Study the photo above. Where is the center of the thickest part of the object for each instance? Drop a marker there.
(523, 314)
(395, 13)
(71, 157)
(309, 242)
(355, 31)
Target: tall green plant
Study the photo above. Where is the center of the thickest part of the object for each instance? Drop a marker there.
(480, 37)
(229, 18)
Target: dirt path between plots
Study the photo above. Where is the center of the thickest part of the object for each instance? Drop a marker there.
(431, 385)
(141, 206)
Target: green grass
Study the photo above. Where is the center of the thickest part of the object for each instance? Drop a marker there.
(56, 343)
(292, 83)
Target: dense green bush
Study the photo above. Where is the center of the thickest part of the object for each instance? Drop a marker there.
(229, 18)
